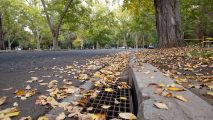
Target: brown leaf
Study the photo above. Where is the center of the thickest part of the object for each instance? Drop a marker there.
(180, 97)
(128, 116)
(2, 100)
(106, 106)
(161, 105)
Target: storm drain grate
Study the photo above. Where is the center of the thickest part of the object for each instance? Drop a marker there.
(108, 98)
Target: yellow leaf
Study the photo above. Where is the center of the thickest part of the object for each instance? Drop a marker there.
(162, 85)
(12, 114)
(171, 88)
(123, 98)
(20, 93)
(109, 90)
(210, 93)
(180, 97)
(43, 118)
(128, 116)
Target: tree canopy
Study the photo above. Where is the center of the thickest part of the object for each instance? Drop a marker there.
(50, 24)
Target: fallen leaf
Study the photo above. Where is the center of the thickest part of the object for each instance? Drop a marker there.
(180, 97)
(123, 98)
(2, 100)
(161, 105)
(147, 72)
(20, 93)
(159, 90)
(61, 116)
(162, 85)
(10, 112)
(98, 117)
(15, 104)
(89, 108)
(43, 118)
(109, 90)
(210, 93)
(105, 106)
(34, 78)
(28, 87)
(166, 94)
(26, 118)
(129, 116)
(7, 89)
(171, 88)
(116, 101)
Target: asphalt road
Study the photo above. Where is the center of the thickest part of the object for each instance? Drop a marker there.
(15, 68)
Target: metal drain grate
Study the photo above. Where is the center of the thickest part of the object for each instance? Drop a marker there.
(107, 98)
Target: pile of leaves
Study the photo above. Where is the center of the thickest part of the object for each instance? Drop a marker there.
(189, 67)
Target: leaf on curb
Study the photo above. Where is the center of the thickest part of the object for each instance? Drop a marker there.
(180, 97)
(2, 100)
(128, 116)
(161, 105)
(171, 88)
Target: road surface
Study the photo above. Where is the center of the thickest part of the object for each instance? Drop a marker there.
(18, 67)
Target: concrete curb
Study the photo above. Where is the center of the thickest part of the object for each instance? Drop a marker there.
(194, 109)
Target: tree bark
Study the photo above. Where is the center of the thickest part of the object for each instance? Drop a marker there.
(2, 47)
(168, 23)
(55, 29)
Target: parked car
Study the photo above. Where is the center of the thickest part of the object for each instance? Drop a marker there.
(151, 47)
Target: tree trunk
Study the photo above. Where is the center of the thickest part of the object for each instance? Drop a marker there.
(136, 41)
(2, 47)
(97, 45)
(168, 23)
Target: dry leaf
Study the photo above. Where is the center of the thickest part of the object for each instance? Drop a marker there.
(61, 116)
(147, 72)
(15, 104)
(123, 98)
(89, 108)
(7, 89)
(161, 105)
(10, 112)
(2, 100)
(20, 93)
(210, 93)
(28, 87)
(26, 118)
(43, 118)
(159, 90)
(171, 88)
(166, 94)
(128, 116)
(116, 101)
(109, 90)
(180, 97)
(106, 106)
(98, 117)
